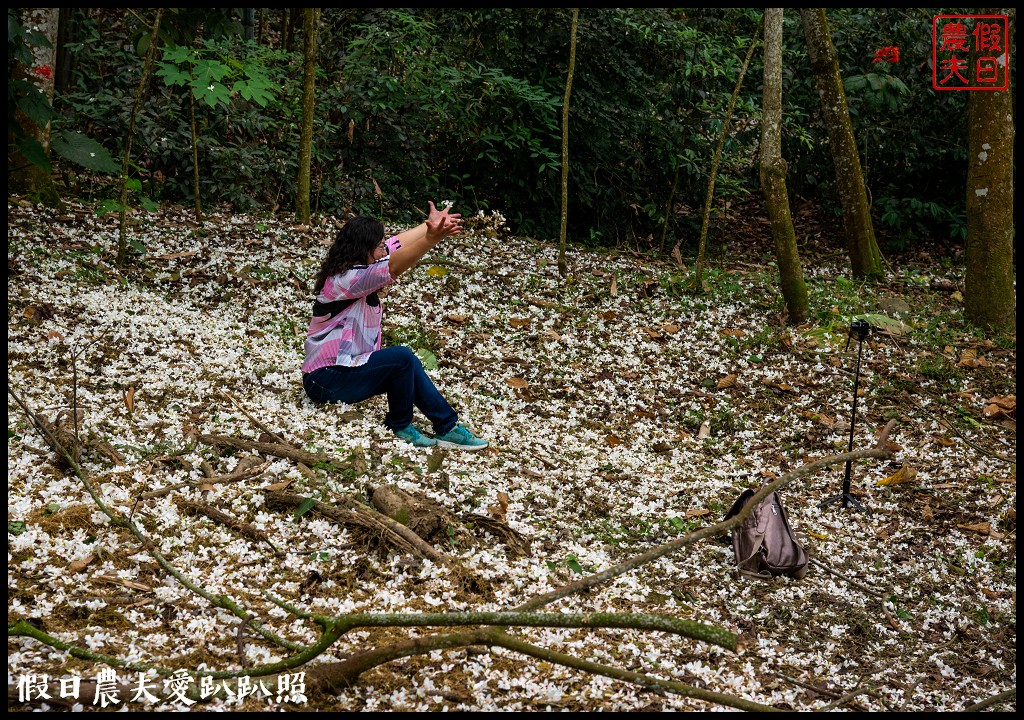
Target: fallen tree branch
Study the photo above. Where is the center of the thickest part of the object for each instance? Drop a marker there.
(348, 672)
(303, 467)
(263, 448)
(117, 520)
(865, 588)
(356, 514)
(246, 468)
(881, 450)
(994, 700)
(242, 528)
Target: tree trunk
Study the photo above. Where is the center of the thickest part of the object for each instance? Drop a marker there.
(154, 38)
(562, 266)
(24, 175)
(865, 258)
(310, 24)
(698, 272)
(195, 156)
(773, 173)
(989, 284)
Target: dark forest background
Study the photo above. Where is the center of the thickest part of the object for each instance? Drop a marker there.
(465, 105)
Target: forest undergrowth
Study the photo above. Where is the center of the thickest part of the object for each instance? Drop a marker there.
(623, 412)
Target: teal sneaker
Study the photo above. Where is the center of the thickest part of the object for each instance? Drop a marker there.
(413, 436)
(460, 438)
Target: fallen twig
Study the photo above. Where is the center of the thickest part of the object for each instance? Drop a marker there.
(247, 467)
(243, 528)
(994, 700)
(275, 449)
(359, 515)
(855, 583)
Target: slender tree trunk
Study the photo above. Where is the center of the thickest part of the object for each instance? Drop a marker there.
(698, 277)
(865, 258)
(154, 36)
(562, 266)
(249, 23)
(773, 173)
(990, 298)
(24, 175)
(195, 156)
(311, 23)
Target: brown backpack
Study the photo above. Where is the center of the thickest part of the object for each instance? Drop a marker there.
(764, 545)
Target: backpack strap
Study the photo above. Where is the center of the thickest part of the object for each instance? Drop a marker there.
(752, 559)
(339, 306)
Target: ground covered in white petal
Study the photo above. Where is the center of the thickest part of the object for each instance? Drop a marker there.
(622, 411)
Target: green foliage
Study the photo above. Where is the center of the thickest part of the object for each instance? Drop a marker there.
(464, 104)
(23, 95)
(913, 140)
(208, 72)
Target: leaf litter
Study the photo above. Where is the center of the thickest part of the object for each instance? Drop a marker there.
(616, 419)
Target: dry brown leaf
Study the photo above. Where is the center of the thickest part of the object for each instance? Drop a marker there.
(705, 430)
(697, 513)
(612, 440)
(671, 329)
(190, 253)
(205, 487)
(351, 130)
(517, 382)
(503, 500)
(613, 290)
(376, 187)
(678, 257)
(727, 382)
(654, 333)
(819, 417)
(945, 441)
(968, 358)
(283, 485)
(126, 583)
(732, 332)
(905, 474)
(609, 315)
(129, 398)
(1001, 406)
(985, 528)
(518, 322)
(457, 319)
(81, 564)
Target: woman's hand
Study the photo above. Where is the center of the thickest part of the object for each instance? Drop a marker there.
(442, 223)
(415, 243)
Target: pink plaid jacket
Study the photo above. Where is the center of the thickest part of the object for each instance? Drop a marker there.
(345, 327)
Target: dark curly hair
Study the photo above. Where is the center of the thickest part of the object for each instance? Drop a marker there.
(352, 246)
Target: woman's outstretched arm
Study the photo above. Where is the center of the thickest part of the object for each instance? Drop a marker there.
(417, 241)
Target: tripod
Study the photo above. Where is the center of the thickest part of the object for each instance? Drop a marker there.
(861, 328)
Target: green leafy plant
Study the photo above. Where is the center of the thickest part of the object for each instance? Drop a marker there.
(24, 96)
(570, 561)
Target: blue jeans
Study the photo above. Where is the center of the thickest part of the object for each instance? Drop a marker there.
(393, 370)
